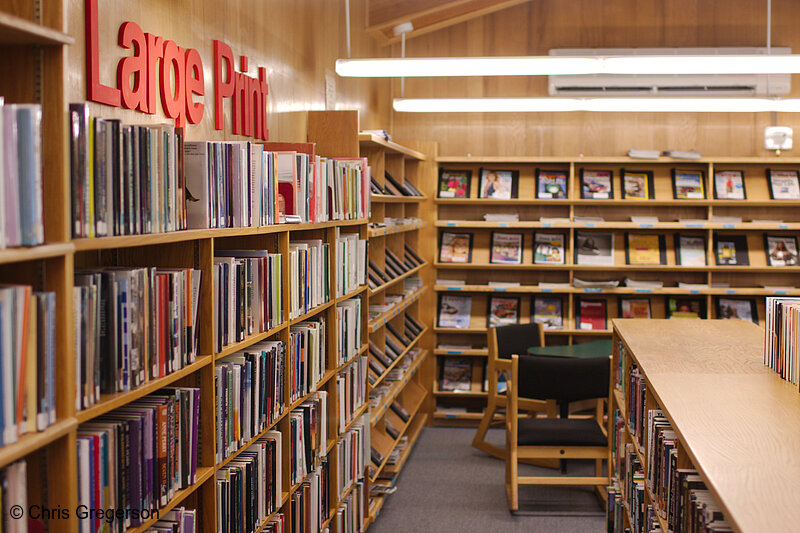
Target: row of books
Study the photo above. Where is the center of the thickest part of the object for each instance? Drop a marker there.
(13, 492)
(350, 515)
(310, 503)
(396, 342)
(780, 337)
(351, 263)
(392, 187)
(348, 319)
(27, 361)
(178, 520)
(132, 325)
(21, 222)
(125, 179)
(306, 356)
(590, 313)
(597, 248)
(138, 456)
(596, 184)
(248, 488)
(351, 390)
(309, 280)
(394, 268)
(308, 436)
(249, 297)
(376, 457)
(250, 392)
(399, 372)
(351, 452)
(394, 301)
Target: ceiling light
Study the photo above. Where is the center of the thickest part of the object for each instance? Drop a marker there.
(563, 66)
(620, 105)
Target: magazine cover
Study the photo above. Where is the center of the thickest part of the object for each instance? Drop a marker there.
(551, 184)
(499, 184)
(690, 250)
(688, 184)
(548, 311)
(784, 184)
(455, 247)
(634, 308)
(645, 249)
(736, 309)
(456, 374)
(502, 310)
(781, 250)
(729, 185)
(506, 248)
(454, 183)
(548, 248)
(454, 311)
(597, 184)
(685, 308)
(594, 248)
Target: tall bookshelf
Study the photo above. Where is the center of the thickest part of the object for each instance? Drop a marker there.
(403, 379)
(709, 380)
(691, 217)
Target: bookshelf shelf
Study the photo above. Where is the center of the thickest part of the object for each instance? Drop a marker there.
(372, 140)
(391, 230)
(463, 394)
(249, 341)
(203, 475)
(19, 31)
(412, 416)
(400, 357)
(412, 272)
(414, 431)
(547, 332)
(742, 291)
(377, 413)
(390, 199)
(401, 306)
(34, 253)
(467, 353)
(442, 415)
(31, 442)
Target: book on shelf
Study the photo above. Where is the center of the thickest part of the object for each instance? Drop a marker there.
(456, 374)
(454, 311)
(455, 247)
(506, 248)
(351, 259)
(140, 455)
(404, 189)
(781, 250)
(306, 359)
(250, 394)
(737, 309)
(501, 217)
(551, 184)
(783, 184)
(21, 220)
(498, 184)
(348, 319)
(351, 515)
(504, 284)
(591, 314)
(594, 283)
(27, 361)
(249, 489)
(645, 249)
(308, 276)
(597, 184)
(588, 219)
(685, 307)
(177, 520)
(454, 183)
(593, 248)
(412, 256)
(634, 308)
(780, 345)
(352, 449)
(643, 284)
(729, 185)
(554, 220)
(249, 294)
(351, 390)
(726, 219)
(502, 310)
(309, 504)
(548, 248)
(690, 250)
(731, 250)
(692, 286)
(132, 325)
(413, 325)
(442, 281)
(644, 220)
(549, 311)
(307, 436)
(637, 185)
(688, 184)
(554, 286)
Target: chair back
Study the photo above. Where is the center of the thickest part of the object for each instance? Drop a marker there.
(517, 338)
(564, 379)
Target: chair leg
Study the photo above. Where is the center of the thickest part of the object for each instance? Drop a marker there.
(512, 485)
(479, 441)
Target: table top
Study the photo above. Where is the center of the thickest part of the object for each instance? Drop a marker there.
(583, 351)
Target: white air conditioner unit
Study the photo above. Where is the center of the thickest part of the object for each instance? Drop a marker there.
(669, 84)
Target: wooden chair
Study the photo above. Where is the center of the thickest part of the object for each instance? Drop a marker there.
(503, 342)
(564, 380)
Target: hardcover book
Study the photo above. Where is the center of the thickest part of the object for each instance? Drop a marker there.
(506, 248)
(502, 310)
(682, 307)
(729, 185)
(499, 184)
(597, 184)
(454, 311)
(690, 250)
(688, 184)
(645, 249)
(551, 184)
(454, 183)
(455, 247)
(592, 248)
(548, 249)
(731, 250)
(781, 250)
(637, 185)
(548, 311)
(783, 184)
(737, 309)
(591, 314)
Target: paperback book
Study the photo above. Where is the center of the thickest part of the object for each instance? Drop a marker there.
(456, 374)
(645, 249)
(729, 185)
(781, 250)
(591, 314)
(688, 184)
(690, 250)
(634, 308)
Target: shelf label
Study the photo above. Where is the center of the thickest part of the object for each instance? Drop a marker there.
(499, 289)
(453, 288)
(645, 225)
(780, 292)
(452, 224)
(546, 224)
(694, 291)
(644, 290)
(454, 352)
(547, 290)
(592, 290)
(694, 226)
(588, 224)
(783, 226)
(450, 415)
(729, 226)
(503, 224)
(730, 291)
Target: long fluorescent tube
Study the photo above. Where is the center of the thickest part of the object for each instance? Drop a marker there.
(620, 105)
(562, 66)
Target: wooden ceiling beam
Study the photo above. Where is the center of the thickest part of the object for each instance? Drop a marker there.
(426, 15)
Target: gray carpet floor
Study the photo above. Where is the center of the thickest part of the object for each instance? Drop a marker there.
(447, 485)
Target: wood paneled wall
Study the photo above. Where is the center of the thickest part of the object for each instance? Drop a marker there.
(535, 27)
(296, 40)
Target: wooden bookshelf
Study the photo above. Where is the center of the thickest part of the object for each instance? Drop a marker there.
(760, 215)
(736, 421)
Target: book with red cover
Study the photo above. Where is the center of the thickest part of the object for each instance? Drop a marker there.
(591, 314)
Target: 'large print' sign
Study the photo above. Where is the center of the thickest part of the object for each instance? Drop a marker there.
(178, 73)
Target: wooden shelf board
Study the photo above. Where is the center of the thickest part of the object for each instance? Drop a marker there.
(33, 253)
(109, 402)
(407, 301)
(230, 349)
(674, 268)
(412, 413)
(32, 442)
(315, 311)
(465, 353)
(391, 199)
(378, 412)
(391, 230)
(532, 289)
(615, 159)
(366, 139)
(547, 332)
(618, 202)
(388, 284)
(458, 394)
(414, 431)
(351, 294)
(399, 358)
(19, 31)
(496, 201)
(440, 415)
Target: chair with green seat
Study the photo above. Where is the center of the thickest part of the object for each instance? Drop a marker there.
(503, 342)
(564, 380)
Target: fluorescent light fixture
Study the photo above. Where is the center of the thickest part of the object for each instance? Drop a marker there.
(564, 66)
(619, 105)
